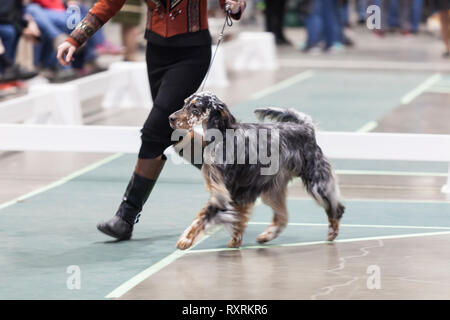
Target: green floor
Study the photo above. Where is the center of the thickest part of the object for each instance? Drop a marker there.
(43, 235)
(340, 101)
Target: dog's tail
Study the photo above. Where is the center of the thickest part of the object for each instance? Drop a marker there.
(283, 115)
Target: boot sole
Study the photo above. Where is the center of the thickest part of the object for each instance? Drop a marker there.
(111, 233)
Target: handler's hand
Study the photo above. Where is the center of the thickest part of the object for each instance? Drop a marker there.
(235, 5)
(65, 53)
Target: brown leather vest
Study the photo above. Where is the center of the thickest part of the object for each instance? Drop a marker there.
(172, 17)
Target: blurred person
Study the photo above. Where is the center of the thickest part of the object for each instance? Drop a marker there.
(51, 17)
(343, 21)
(129, 17)
(416, 15)
(344, 12)
(390, 17)
(406, 15)
(178, 57)
(403, 14)
(274, 13)
(361, 8)
(443, 6)
(105, 47)
(13, 24)
(323, 25)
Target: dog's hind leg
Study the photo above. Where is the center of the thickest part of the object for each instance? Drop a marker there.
(326, 194)
(238, 227)
(276, 199)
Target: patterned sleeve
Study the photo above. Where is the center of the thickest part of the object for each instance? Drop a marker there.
(237, 15)
(100, 13)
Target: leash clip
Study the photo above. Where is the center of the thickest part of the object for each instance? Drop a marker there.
(228, 19)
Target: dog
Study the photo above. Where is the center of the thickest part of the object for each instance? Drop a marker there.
(234, 187)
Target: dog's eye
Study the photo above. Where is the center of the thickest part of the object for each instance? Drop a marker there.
(195, 112)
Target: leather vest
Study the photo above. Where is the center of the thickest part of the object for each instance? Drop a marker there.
(172, 17)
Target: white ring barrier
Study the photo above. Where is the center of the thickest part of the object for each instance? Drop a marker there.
(336, 145)
(125, 84)
(252, 51)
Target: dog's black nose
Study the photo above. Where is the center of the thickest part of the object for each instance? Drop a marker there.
(172, 118)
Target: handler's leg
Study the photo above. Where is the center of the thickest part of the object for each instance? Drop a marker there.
(175, 73)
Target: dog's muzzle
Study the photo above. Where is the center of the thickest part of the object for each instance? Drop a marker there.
(172, 121)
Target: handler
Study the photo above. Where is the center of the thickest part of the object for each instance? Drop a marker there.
(178, 56)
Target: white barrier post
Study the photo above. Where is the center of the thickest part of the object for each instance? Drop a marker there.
(252, 51)
(217, 77)
(128, 86)
(446, 187)
(61, 106)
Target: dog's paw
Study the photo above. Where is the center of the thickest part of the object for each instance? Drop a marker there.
(333, 229)
(332, 234)
(234, 243)
(269, 234)
(265, 237)
(184, 243)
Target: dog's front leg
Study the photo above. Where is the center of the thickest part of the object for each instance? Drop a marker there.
(193, 232)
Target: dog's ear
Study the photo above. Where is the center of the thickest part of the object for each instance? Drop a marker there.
(220, 117)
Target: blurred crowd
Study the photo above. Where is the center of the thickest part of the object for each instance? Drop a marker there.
(44, 24)
(326, 21)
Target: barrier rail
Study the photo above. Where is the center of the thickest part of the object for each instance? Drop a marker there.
(125, 84)
(336, 145)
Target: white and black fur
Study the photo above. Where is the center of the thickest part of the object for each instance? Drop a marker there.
(235, 187)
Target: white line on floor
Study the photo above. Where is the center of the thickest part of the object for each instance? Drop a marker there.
(131, 283)
(301, 244)
(439, 90)
(428, 83)
(391, 173)
(364, 65)
(369, 126)
(62, 180)
(283, 84)
(379, 200)
(355, 225)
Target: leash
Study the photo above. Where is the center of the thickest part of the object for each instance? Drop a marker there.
(228, 22)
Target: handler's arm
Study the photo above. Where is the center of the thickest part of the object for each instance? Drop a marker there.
(100, 13)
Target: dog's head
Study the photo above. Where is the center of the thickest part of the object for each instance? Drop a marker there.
(202, 108)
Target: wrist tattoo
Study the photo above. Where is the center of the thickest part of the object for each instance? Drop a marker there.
(86, 28)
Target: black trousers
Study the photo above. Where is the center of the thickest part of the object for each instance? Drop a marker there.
(275, 10)
(174, 74)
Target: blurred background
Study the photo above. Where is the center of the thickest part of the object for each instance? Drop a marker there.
(30, 30)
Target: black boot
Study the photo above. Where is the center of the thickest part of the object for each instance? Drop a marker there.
(121, 225)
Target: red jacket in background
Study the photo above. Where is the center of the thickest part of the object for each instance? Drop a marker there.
(51, 4)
